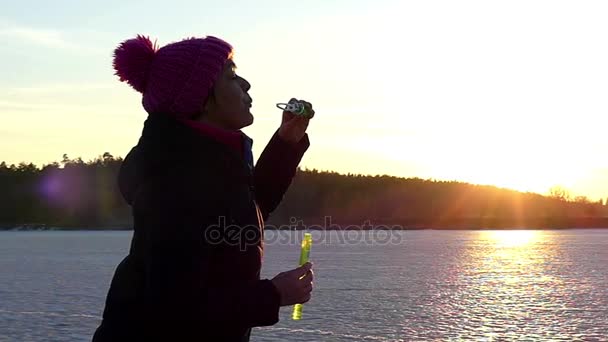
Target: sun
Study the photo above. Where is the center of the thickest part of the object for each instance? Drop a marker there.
(514, 163)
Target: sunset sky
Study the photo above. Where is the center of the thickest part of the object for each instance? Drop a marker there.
(509, 93)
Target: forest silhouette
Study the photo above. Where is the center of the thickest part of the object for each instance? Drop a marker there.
(74, 194)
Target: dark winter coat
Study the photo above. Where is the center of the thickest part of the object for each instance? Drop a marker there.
(193, 268)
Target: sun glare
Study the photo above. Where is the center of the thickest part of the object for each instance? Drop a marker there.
(519, 166)
(512, 238)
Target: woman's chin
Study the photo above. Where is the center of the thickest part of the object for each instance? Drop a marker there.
(249, 119)
(246, 121)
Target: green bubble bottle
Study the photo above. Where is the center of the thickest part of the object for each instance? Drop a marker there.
(304, 254)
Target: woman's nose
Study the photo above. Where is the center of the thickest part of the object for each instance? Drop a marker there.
(245, 84)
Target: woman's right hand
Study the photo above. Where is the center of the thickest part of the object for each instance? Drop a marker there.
(292, 289)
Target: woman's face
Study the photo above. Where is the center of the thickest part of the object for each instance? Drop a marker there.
(229, 104)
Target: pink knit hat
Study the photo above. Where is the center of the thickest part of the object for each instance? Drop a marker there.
(175, 79)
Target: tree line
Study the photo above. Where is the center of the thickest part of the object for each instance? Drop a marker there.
(74, 194)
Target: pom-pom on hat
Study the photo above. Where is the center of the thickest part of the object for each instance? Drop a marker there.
(175, 79)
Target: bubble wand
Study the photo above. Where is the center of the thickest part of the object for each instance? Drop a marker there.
(296, 107)
(304, 254)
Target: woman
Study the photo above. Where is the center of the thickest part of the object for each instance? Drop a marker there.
(199, 205)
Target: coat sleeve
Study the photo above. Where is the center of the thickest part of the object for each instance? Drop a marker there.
(274, 171)
(181, 265)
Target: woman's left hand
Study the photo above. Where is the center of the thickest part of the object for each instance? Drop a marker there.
(293, 127)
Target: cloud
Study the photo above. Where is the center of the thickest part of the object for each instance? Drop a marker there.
(44, 37)
(57, 88)
(35, 106)
(52, 96)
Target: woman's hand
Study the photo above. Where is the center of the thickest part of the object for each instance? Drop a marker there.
(292, 289)
(293, 127)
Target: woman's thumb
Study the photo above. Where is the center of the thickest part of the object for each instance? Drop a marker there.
(304, 268)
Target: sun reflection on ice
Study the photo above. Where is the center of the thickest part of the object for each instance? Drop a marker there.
(512, 238)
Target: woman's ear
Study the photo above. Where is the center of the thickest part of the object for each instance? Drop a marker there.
(203, 110)
(210, 102)
(207, 105)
